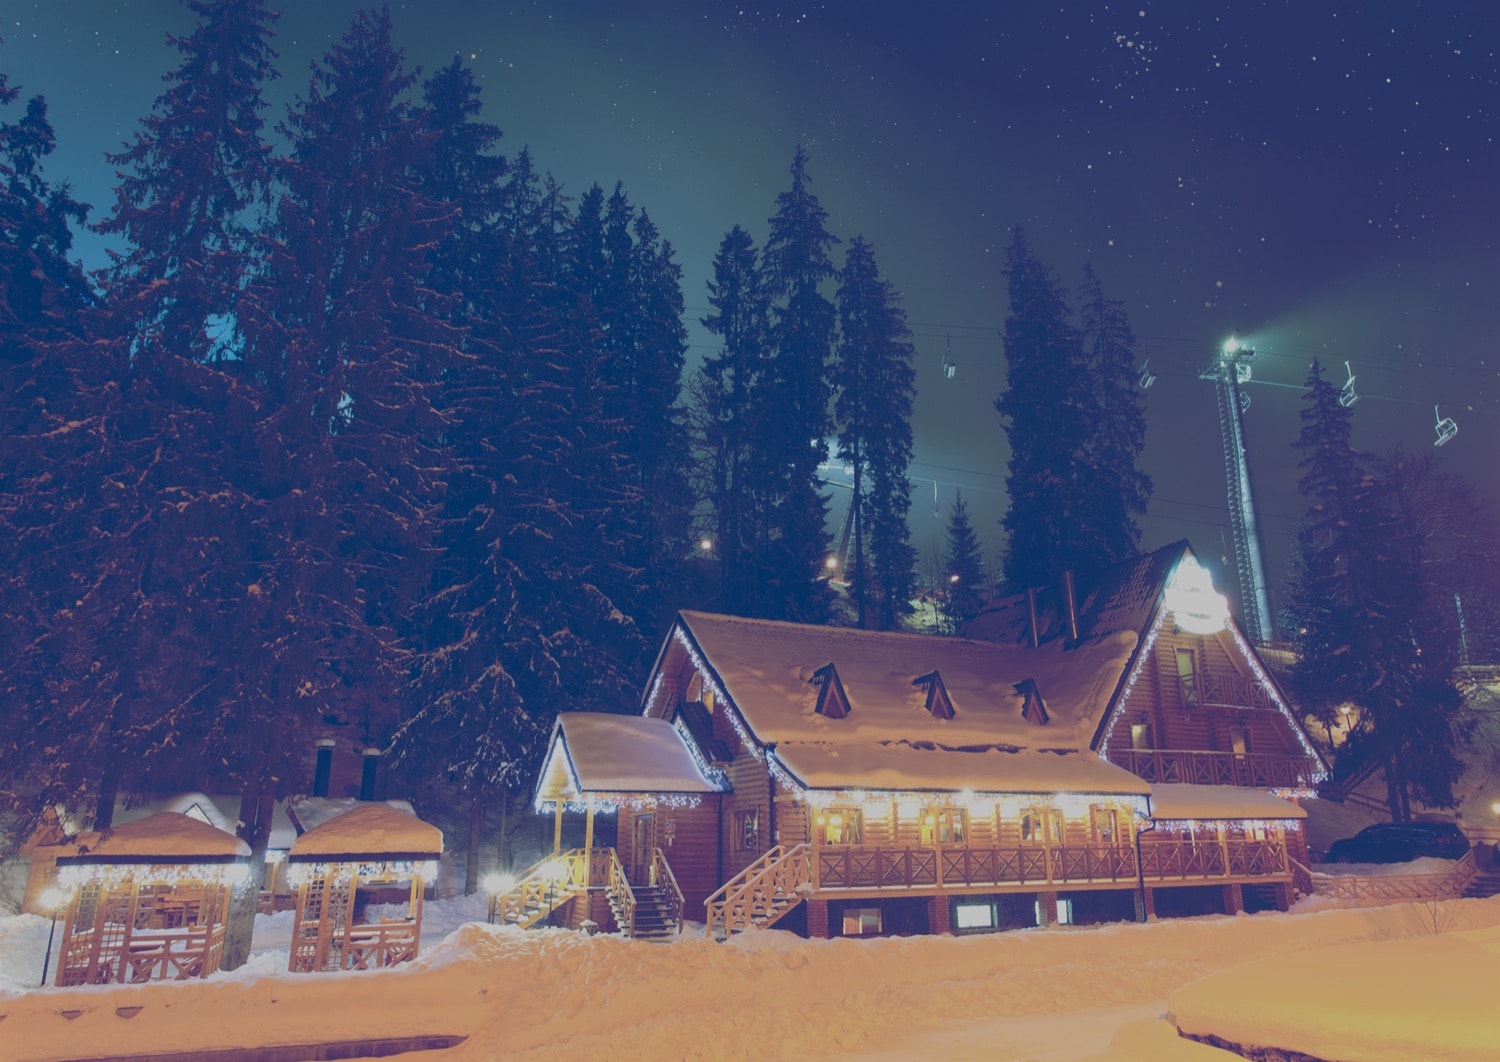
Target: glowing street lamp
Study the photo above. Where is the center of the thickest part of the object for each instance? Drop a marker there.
(51, 899)
(497, 885)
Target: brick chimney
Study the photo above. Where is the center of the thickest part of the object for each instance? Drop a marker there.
(367, 774)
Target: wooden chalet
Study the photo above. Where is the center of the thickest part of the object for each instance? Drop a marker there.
(371, 854)
(147, 900)
(1108, 749)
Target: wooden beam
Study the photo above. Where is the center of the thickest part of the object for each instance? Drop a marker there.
(557, 828)
(588, 844)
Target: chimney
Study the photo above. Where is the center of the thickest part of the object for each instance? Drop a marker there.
(324, 767)
(367, 775)
(1071, 604)
(1031, 621)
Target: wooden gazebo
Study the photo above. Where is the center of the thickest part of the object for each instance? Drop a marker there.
(148, 900)
(374, 853)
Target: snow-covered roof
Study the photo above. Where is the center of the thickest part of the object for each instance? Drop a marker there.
(164, 837)
(870, 765)
(596, 752)
(767, 668)
(308, 813)
(370, 831)
(1184, 802)
(219, 809)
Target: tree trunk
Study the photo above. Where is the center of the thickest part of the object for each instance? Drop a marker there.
(504, 820)
(471, 857)
(1392, 790)
(256, 804)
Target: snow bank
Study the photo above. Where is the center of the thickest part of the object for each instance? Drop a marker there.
(1060, 993)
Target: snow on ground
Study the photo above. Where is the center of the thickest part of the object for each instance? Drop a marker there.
(1062, 994)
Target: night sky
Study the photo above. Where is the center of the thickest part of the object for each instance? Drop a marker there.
(1320, 177)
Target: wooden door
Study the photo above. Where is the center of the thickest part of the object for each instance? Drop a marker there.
(642, 841)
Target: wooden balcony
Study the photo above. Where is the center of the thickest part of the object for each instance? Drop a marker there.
(1256, 770)
(1231, 691)
(1059, 866)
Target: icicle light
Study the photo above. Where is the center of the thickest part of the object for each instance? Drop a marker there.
(710, 774)
(1286, 713)
(1135, 673)
(153, 873)
(747, 739)
(298, 874)
(1184, 825)
(611, 803)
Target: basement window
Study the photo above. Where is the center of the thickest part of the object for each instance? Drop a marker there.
(861, 921)
(973, 916)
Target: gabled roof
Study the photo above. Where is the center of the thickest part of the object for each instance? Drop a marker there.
(602, 753)
(1119, 598)
(891, 738)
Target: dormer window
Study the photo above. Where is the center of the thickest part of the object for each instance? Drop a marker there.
(1033, 707)
(833, 702)
(938, 703)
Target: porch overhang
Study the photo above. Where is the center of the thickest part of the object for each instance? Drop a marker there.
(602, 760)
(1174, 802)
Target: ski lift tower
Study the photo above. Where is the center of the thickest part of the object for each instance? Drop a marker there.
(1228, 370)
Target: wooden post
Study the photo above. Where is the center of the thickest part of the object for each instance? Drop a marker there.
(557, 828)
(588, 844)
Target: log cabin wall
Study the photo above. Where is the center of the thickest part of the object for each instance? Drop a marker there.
(745, 834)
(1160, 700)
(688, 837)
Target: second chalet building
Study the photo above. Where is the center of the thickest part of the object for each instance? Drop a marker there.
(1096, 752)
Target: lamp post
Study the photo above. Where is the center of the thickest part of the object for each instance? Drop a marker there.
(51, 899)
(497, 885)
(553, 871)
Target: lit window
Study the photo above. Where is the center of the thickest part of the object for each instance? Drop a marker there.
(840, 825)
(695, 687)
(1105, 822)
(861, 921)
(1040, 826)
(1239, 741)
(747, 830)
(1186, 679)
(974, 916)
(944, 826)
(1140, 735)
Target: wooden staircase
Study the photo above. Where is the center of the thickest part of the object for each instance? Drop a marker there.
(652, 911)
(761, 893)
(1484, 883)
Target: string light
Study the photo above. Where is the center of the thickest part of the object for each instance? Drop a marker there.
(1183, 825)
(610, 803)
(1319, 774)
(747, 739)
(710, 774)
(1130, 680)
(338, 871)
(154, 873)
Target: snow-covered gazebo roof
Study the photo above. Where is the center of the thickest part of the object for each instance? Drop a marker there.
(166, 837)
(599, 754)
(370, 832)
(216, 809)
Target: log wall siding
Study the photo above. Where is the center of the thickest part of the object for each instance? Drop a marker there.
(751, 786)
(692, 853)
(1157, 699)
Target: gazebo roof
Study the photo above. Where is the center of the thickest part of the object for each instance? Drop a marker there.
(372, 832)
(164, 838)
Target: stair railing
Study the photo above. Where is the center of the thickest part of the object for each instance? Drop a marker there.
(761, 893)
(663, 878)
(540, 889)
(621, 896)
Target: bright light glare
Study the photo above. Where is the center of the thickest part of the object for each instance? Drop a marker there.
(52, 899)
(494, 884)
(831, 563)
(554, 870)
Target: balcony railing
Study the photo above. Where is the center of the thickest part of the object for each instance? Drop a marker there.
(1233, 691)
(1259, 770)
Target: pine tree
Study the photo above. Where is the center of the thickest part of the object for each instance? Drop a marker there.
(963, 568)
(875, 384)
(730, 416)
(1120, 491)
(1360, 615)
(54, 391)
(1047, 408)
(795, 265)
(189, 176)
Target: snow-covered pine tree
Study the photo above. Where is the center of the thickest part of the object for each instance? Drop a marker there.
(874, 387)
(351, 344)
(55, 389)
(795, 265)
(963, 568)
(1049, 413)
